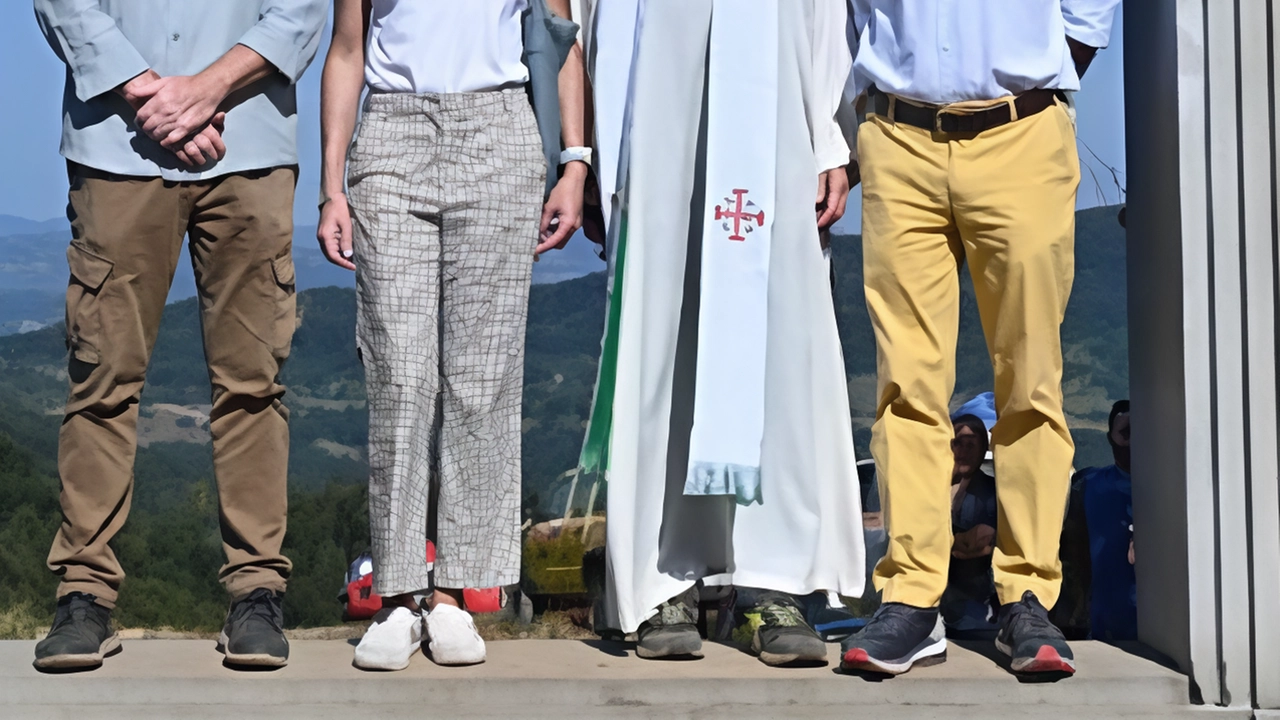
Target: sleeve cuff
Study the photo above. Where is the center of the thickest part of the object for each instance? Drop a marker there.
(1091, 36)
(829, 148)
(110, 62)
(280, 53)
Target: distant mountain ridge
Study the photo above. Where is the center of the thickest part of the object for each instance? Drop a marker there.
(33, 269)
(14, 225)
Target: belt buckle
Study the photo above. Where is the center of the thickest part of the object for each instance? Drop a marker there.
(938, 116)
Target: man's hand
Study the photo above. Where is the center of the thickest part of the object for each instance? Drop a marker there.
(833, 193)
(1082, 55)
(974, 543)
(564, 207)
(853, 171)
(206, 145)
(132, 90)
(179, 107)
(334, 232)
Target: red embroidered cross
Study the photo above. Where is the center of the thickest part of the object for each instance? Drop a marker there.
(737, 215)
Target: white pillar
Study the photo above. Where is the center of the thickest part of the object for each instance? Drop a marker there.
(1200, 94)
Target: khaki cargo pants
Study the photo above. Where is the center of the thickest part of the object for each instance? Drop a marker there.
(126, 239)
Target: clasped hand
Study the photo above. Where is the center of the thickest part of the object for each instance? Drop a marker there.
(181, 113)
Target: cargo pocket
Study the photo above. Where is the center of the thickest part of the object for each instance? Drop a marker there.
(286, 314)
(89, 274)
(282, 268)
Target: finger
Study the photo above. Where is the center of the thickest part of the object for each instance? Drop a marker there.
(219, 120)
(544, 225)
(206, 146)
(345, 241)
(219, 147)
(183, 157)
(558, 236)
(842, 206)
(826, 217)
(194, 152)
(151, 125)
(330, 245)
(176, 135)
(149, 88)
(822, 188)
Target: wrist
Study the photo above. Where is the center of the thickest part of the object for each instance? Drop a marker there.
(575, 170)
(213, 84)
(327, 196)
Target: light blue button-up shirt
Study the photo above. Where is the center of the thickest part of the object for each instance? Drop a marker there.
(945, 51)
(105, 43)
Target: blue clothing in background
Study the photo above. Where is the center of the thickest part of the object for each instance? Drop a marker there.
(1108, 506)
(968, 605)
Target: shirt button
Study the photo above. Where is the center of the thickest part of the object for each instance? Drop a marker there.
(176, 36)
(945, 48)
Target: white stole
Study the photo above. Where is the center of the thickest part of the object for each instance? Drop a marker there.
(741, 171)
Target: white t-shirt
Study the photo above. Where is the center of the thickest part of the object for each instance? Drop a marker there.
(445, 46)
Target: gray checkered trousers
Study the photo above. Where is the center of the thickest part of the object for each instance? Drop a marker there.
(446, 195)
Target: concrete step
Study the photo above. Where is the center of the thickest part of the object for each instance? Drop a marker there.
(561, 678)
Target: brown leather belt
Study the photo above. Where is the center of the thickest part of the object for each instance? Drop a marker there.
(940, 119)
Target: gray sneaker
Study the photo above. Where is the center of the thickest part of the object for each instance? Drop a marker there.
(254, 632)
(673, 633)
(81, 636)
(781, 636)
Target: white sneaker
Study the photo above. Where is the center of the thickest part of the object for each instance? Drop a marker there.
(453, 636)
(390, 641)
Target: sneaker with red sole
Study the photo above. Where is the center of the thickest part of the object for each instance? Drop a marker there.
(898, 638)
(1033, 643)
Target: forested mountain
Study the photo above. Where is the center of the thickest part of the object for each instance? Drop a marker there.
(171, 549)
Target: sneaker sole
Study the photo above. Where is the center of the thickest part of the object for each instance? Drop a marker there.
(373, 666)
(683, 646)
(110, 646)
(248, 659)
(858, 660)
(666, 655)
(1047, 660)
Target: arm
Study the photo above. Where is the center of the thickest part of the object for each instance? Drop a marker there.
(284, 40)
(1088, 28)
(832, 63)
(565, 202)
(88, 40)
(340, 89)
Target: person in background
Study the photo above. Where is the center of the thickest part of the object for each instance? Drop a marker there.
(968, 604)
(1104, 496)
(968, 157)
(178, 119)
(438, 205)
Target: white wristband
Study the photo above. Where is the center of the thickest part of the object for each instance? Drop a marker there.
(576, 154)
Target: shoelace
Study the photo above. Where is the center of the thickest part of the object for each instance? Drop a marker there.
(259, 605)
(889, 621)
(1028, 617)
(675, 613)
(780, 615)
(79, 609)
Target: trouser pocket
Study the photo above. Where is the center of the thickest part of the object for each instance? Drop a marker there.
(89, 273)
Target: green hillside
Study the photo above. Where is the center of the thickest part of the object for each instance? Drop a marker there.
(170, 547)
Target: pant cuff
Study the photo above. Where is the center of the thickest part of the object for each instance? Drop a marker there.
(475, 580)
(239, 589)
(103, 595)
(914, 596)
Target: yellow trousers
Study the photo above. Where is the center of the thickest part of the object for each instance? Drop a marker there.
(1004, 200)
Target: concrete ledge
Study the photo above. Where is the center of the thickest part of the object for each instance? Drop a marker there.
(555, 678)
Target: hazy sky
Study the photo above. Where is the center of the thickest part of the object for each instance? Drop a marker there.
(34, 181)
